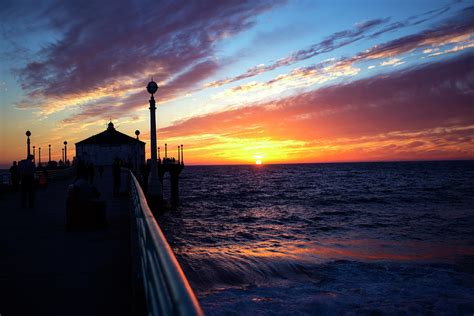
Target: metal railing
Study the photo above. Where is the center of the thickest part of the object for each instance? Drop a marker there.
(167, 290)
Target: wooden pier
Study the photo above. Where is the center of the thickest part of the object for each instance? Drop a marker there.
(127, 268)
(45, 270)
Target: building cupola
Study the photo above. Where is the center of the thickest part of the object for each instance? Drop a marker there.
(110, 126)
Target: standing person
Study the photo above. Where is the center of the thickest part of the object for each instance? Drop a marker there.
(27, 174)
(116, 176)
(15, 176)
(91, 172)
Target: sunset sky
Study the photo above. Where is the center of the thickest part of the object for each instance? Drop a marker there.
(240, 81)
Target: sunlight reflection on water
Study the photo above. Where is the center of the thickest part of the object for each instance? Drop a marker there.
(327, 237)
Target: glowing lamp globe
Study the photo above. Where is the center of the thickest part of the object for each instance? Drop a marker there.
(152, 87)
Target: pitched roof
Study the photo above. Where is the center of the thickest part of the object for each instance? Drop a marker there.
(109, 137)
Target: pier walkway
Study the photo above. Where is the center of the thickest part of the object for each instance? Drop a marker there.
(45, 270)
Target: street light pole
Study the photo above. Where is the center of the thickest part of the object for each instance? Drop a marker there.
(65, 151)
(137, 144)
(39, 154)
(155, 189)
(49, 154)
(28, 134)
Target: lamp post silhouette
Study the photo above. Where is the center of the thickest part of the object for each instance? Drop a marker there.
(182, 157)
(155, 189)
(49, 153)
(34, 154)
(179, 154)
(166, 151)
(62, 153)
(158, 152)
(28, 134)
(39, 156)
(137, 133)
(65, 151)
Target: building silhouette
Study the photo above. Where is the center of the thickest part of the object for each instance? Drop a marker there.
(103, 148)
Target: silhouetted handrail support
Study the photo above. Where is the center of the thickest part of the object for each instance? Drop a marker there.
(167, 290)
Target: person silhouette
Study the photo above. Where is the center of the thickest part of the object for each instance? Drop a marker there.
(15, 176)
(27, 175)
(84, 209)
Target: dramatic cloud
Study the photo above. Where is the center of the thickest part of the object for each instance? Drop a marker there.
(178, 85)
(98, 70)
(97, 48)
(80, 63)
(329, 44)
(450, 30)
(428, 109)
(454, 31)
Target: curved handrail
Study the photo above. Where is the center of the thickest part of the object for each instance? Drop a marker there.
(166, 288)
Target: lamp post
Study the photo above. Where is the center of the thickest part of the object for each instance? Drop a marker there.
(28, 134)
(49, 153)
(137, 132)
(39, 156)
(65, 151)
(166, 151)
(62, 153)
(155, 189)
(182, 157)
(34, 154)
(179, 154)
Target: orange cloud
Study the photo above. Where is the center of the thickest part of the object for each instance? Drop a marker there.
(410, 115)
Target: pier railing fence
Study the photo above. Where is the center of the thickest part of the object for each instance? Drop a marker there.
(167, 290)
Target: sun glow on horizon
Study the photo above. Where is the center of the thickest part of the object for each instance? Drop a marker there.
(309, 100)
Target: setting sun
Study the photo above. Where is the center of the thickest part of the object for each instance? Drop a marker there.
(258, 162)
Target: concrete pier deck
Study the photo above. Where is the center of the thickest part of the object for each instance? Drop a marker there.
(45, 270)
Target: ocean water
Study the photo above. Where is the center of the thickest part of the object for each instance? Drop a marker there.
(327, 239)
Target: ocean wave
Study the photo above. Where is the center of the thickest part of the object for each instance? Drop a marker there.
(327, 239)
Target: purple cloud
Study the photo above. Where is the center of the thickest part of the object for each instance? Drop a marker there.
(361, 31)
(329, 44)
(458, 26)
(184, 82)
(101, 41)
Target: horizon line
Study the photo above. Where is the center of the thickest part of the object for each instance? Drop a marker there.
(315, 163)
(333, 162)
